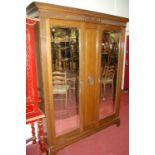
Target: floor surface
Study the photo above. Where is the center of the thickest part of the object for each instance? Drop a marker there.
(110, 141)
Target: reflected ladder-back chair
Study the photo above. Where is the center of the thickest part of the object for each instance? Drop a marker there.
(60, 85)
(108, 77)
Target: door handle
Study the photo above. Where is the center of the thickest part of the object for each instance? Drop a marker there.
(90, 79)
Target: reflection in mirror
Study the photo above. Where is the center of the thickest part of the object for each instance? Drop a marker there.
(65, 75)
(109, 61)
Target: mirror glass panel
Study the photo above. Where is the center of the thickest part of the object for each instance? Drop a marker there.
(108, 72)
(65, 75)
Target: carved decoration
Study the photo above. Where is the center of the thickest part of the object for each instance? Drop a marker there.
(33, 133)
(76, 17)
(41, 134)
(33, 113)
(31, 80)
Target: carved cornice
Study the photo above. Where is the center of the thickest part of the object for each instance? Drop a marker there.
(76, 17)
(68, 13)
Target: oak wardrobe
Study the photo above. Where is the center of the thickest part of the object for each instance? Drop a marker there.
(79, 60)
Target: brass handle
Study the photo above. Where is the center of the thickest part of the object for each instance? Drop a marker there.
(90, 79)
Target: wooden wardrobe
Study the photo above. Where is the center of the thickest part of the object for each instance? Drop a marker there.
(87, 48)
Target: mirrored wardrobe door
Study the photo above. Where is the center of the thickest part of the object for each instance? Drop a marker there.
(110, 40)
(65, 53)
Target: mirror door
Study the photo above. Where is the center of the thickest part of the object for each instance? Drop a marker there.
(65, 52)
(110, 43)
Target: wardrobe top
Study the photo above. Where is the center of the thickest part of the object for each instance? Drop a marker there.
(39, 9)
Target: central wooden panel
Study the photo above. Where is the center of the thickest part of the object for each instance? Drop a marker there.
(90, 102)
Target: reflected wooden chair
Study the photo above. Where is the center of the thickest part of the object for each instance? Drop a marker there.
(60, 86)
(108, 77)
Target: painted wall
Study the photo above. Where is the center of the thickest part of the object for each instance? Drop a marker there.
(113, 7)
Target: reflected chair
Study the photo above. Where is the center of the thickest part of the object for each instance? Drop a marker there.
(60, 86)
(108, 77)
